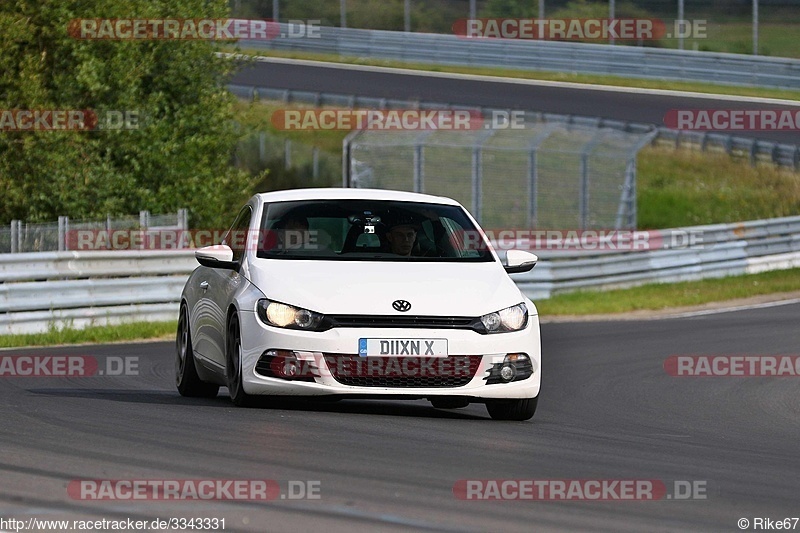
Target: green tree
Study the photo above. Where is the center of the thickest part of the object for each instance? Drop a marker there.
(180, 155)
(510, 8)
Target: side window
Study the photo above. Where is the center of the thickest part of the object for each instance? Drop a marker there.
(461, 243)
(236, 237)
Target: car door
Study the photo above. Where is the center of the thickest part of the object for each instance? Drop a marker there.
(221, 285)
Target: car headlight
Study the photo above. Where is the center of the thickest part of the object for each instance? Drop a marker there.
(512, 318)
(287, 316)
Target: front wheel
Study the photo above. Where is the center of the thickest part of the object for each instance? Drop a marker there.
(512, 409)
(234, 365)
(186, 378)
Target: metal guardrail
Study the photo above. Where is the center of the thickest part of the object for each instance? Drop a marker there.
(77, 289)
(783, 155)
(722, 250)
(41, 290)
(628, 61)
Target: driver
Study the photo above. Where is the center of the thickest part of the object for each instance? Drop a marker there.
(402, 235)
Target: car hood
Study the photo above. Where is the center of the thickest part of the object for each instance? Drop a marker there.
(370, 287)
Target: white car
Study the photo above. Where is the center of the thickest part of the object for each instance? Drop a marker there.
(358, 293)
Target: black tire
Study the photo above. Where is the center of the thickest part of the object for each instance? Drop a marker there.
(233, 353)
(512, 409)
(186, 378)
(449, 403)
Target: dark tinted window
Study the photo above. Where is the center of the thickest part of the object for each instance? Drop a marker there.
(369, 230)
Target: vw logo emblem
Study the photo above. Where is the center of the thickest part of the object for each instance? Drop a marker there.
(401, 305)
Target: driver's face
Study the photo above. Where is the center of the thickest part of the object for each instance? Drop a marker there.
(401, 239)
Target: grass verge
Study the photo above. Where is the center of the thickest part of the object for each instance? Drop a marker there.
(93, 334)
(668, 295)
(593, 79)
(686, 187)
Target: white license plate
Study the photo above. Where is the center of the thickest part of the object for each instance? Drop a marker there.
(402, 347)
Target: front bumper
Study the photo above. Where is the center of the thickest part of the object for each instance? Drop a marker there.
(316, 350)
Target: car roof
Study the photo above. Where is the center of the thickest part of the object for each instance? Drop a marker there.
(333, 193)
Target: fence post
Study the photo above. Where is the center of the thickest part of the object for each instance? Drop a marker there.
(315, 162)
(287, 154)
(14, 237)
(66, 231)
(533, 184)
(183, 219)
(419, 167)
(583, 200)
(346, 154)
(533, 173)
(61, 234)
(627, 200)
(477, 179)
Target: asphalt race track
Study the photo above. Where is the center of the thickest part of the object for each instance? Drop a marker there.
(589, 101)
(608, 411)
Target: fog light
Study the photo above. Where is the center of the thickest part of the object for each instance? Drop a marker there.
(515, 367)
(288, 368)
(284, 364)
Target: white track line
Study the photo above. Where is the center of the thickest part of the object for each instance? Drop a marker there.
(736, 308)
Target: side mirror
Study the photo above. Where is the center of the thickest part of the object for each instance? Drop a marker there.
(519, 261)
(217, 256)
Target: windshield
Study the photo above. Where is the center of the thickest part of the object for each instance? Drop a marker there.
(370, 230)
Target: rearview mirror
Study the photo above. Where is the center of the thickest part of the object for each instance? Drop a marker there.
(520, 261)
(217, 256)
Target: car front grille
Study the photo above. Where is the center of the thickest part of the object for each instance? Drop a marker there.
(397, 321)
(403, 372)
